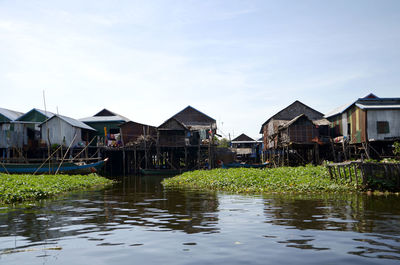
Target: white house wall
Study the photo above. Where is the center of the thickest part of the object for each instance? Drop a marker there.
(392, 116)
(58, 129)
(344, 124)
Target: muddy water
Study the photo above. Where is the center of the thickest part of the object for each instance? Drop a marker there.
(138, 222)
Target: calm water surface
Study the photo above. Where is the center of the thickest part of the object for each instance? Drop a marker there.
(138, 222)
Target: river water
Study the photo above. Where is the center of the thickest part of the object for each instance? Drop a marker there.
(139, 222)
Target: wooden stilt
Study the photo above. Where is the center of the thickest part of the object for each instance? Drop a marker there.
(123, 162)
(356, 174)
(330, 172)
(350, 176)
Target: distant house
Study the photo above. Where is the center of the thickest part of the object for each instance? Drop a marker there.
(31, 121)
(107, 126)
(370, 120)
(11, 134)
(297, 127)
(246, 148)
(133, 132)
(66, 131)
(188, 127)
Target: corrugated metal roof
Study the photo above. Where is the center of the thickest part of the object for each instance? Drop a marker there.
(48, 114)
(321, 122)
(243, 137)
(73, 122)
(390, 106)
(338, 110)
(287, 124)
(105, 119)
(369, 102)
(10, 114)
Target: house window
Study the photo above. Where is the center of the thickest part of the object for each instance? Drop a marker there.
(382, 126)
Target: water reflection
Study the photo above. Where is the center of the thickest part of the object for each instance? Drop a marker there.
(138, 218)
(342, 212)
(376, 217)
(134, 202)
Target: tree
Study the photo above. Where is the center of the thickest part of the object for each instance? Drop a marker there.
(223, 142)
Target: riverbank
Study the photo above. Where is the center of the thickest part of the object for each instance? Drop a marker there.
(248, 180)
(18, 188)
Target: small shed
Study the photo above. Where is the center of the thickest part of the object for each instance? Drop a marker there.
(132, 132)
(172, 133)
(66, 131)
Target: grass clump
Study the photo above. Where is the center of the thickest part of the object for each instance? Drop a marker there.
(18, 188)
(242, 180)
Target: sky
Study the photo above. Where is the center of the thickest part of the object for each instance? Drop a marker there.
(239, 62)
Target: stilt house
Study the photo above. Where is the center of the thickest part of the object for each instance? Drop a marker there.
(294, 130)
(188, 127)
(66, 131)
(368, 123)
(246, 148)
(31, 121)
(11, 134)
(107, 126)
(186, 140)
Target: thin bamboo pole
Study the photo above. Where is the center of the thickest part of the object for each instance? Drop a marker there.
(48, 158)
(66, 152)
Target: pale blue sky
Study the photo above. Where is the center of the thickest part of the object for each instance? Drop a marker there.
(238, 61)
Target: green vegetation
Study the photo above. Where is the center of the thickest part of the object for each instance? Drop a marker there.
(223, 142)
(283, 179)
(17, 188)
(396, 148)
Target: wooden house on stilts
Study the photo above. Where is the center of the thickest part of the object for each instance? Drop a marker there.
(246, 149)
(106, 123)
(185, 141)
(295, 136)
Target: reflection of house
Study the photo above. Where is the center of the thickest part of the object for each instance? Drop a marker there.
(246, 148)
(106, 124)
(294, 131)
(188, 127)
(66, 131)
(369, 120)
(133, 132)
(11, 134)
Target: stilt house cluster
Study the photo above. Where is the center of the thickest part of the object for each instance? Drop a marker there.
(299, 134)
(182, 142)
